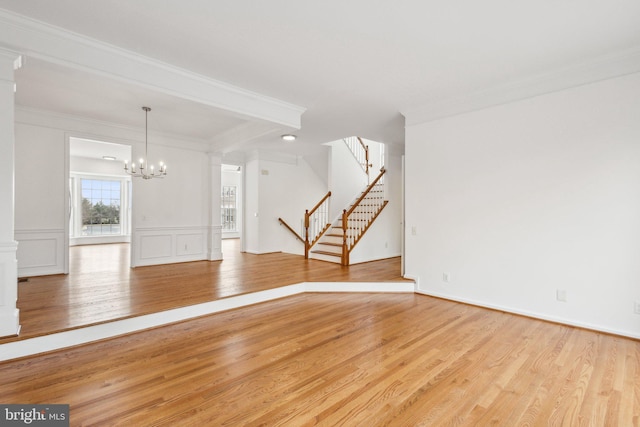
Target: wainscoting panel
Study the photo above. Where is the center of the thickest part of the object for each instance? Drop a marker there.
(155, 246)
(40, 252)
(158, 246)
(189, 244)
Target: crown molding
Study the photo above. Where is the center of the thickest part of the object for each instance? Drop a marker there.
(597, 69)
(54, 44)
(243, 134)
(9, 62)
(82, 127)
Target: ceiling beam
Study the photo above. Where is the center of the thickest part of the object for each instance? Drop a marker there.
(49, 43)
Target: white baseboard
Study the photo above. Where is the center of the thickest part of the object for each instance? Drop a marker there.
(400, 287)
(535, 315)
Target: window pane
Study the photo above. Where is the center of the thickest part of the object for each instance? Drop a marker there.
(100, 207)
(228, 211)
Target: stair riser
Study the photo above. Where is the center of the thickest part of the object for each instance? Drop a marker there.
(332, 239)
(322, 257)
(328, 248)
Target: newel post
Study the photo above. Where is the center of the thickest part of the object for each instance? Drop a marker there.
(306, 234)
(345, 227)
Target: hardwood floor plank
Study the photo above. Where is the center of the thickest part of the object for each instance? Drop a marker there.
(101, 287)
(342, 359)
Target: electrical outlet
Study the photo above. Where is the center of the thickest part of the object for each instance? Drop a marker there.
(636, 307)
(561, 295)
(446, 277)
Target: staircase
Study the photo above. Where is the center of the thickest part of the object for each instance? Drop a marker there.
(345, 232)
(334, 241)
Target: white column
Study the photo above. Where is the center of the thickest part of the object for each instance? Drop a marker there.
(9, 313)
(215, 227)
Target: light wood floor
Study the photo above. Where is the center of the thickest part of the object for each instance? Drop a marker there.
(342, 359)
(101, 287)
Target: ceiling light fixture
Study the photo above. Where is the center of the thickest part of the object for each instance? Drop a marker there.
(108, 157)
(145, 171)
(289, 137)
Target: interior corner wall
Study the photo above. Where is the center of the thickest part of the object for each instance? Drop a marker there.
(278, 187)
(522, 204)
(347, 178)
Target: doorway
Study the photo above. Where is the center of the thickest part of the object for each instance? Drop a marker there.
(99, 197)
(231, 203)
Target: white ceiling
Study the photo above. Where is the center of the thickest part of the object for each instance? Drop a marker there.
(353, 64)
(79, 147)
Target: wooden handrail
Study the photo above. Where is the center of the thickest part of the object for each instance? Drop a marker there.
(346, 247)
(364, 194)
(319, 203)
(307, 216)
(283, 222)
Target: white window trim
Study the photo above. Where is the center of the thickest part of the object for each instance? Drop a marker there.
(76, 237)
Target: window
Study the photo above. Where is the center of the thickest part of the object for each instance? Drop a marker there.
(99, 207)
(229, 208)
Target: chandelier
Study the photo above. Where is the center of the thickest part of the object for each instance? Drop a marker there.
(144, 170)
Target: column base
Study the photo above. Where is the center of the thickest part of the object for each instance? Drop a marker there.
(214, 252)
(9, 313)
(10, 324)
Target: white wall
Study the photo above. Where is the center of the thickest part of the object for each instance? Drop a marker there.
(251, 226)
(40, 178)
(40, 209)
(319, 163)
(278, 186)
(171, 215)
(520, 200)
(347, 179)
